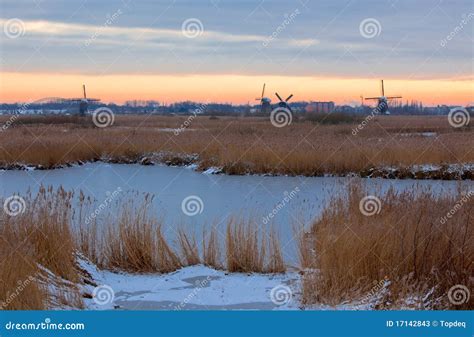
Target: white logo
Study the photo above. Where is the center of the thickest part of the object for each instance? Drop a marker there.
(370, 205)
(14, 205)
(103, 295)
(370, 28)
(103, 117)
(192, 28)
(192, 205)
(281, 294)
(459, 294)
(281, 117)
(458, 117)
(14, 28)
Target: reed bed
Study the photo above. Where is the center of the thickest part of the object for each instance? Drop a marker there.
(248, 248)
(242, 145)
(409, 253)
(39, 248)
(34, 243)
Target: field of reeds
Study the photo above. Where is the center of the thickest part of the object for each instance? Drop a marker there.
(308, 147)
(407, 252)
(39, 249)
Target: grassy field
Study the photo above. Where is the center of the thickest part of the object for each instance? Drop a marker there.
(241, 145)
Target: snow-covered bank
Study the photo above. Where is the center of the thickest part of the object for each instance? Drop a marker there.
(191, 288)
(461, 171)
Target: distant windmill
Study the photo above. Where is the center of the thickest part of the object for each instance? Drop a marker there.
(83, 102)
(265, 102)
(382, 106)
(284, 103)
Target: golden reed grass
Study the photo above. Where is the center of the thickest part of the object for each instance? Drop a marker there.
(39, 248)
(39, 236)
(241, 145)
(248, 248)
(412, 243)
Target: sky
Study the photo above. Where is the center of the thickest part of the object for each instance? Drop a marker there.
(223, 51)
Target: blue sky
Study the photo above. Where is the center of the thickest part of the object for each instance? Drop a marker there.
(323, 39)
(148, 49)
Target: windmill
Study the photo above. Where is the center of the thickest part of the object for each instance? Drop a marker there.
(284, 103)
(83, 102)
(382, 105)
(265, 102)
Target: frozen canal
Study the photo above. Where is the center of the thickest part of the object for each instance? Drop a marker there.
(212, 199)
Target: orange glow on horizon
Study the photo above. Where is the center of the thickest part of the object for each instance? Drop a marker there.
(238, 89)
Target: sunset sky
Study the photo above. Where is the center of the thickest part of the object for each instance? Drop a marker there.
(223, 51)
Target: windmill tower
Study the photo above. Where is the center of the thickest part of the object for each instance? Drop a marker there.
(382, 105)
(265, 103)
(84, 101)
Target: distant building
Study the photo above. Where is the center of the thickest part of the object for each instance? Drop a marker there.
(320, 107)
(345, 109)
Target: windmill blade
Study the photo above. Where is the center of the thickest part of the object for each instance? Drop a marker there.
(84, 90)
(392, 97)
(278, 97)
(372, 98)
(288, 98)
(383, 89)
(263, 90)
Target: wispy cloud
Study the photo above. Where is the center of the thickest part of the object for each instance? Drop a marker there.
(109, 34)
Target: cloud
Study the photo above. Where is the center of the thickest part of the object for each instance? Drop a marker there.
(110, 34)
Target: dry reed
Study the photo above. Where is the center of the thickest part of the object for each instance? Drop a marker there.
(35, 244)
(248, 249)
(411, 243)
(243, 145)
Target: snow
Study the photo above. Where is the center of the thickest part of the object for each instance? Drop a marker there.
(192, 288)
(213, 170)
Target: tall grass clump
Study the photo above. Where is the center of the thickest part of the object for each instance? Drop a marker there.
(38, 269)
(410, 244)
(249, 249)
(134, 242)
(211, 249)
